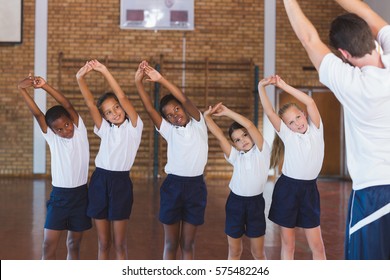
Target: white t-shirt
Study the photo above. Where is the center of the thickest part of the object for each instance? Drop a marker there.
(365, 96)
(250, 170)
(303, 153)
(69, 157)
(118, 145)
(187, 147)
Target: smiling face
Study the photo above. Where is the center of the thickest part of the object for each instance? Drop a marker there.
(63, 127)
(174, 113)
(295, 119)
(242, 141)
(112, 111)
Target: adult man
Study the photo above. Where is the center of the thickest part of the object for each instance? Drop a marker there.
(360, 79)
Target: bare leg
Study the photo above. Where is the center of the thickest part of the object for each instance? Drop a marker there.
(187, 241)
(171, 240)
(288, 243)
(257, 248)
(50, 243)
(104, 238)
(120, 239)
(314, 238)
(73, 243)
(235, 248)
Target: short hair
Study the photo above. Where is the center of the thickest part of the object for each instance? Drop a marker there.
(351, 33)
(54, 113)
(165, 100)
(103, 98)
(233, 127)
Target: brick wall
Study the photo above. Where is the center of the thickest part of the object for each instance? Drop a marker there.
(227, 30)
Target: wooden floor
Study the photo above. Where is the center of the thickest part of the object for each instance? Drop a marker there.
(22, 216)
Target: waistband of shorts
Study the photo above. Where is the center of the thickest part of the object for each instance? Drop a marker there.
(75, 189)
(286, 178)
(111, 172)
(185, 178)
(239, 197)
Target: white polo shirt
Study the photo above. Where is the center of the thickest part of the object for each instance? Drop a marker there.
(118, 145)
(365, 96)
(69, 157)
(303, 153)
(250, 170)
(187, 147)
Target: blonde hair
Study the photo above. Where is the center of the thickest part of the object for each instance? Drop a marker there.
(277, 153)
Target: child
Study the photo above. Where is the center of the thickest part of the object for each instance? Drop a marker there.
(183, 193)
(250, 157)
(295, 199)
(111, 190)
(66, 135)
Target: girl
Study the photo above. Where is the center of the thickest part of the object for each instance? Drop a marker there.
(111, 190)
(183, 193)
(295, 199)
(250, 157)
(66, 135)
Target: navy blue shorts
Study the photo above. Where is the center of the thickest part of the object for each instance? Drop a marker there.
(110, 195)
(67, 209)
(295, 203)
(368, 224)
(183, 199)
(245, 215)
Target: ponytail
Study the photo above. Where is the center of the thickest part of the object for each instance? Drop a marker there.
(277, 153)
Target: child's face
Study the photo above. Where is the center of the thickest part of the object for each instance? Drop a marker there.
(242, 141)
(175, 114)
(113, 111)
(295, 120)
(63, 127)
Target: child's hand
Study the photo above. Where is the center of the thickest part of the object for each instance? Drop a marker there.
(97, 66)
(26, 83)
(84, 70)
(267, 81)
(139, 74)
(219, 110)
(208, 111)
(154, 75)
(39, 82)
(279, 82)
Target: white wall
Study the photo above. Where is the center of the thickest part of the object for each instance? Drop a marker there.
(382, 7)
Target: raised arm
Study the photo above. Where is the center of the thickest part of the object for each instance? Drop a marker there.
(155, 76)
(217, 131)
(375, 21)
(87, 94)
(145, 98)
(311, 106)
(59, 97)
(266, 103)
(123, 100)
(257, 137)
(37, 113)
(306, 33)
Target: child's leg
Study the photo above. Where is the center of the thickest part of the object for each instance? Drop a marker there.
(171, 240)
(235, 248)
(187, 241)
(257, 248)
(50, 243)
(73, 242)
(104, 238)
(288, 243)
(120, 239)
(314, 238)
